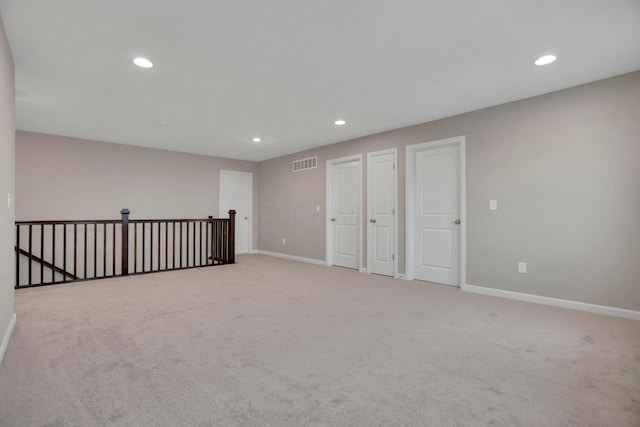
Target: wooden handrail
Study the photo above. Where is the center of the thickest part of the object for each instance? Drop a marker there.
(58, 222)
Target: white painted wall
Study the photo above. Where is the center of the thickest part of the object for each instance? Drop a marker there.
(67, 178)
(7, 145)
(563, 167)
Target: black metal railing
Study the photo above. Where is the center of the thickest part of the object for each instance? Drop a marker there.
(52, 252)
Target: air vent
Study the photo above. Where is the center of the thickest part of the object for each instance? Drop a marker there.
(304, 164)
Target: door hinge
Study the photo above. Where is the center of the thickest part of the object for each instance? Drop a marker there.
(393, 257)
(393, 211)
(394, 166)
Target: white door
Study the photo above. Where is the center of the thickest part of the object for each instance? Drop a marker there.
(236, 193)
(344, 214)
(381, 196)
(437, 214)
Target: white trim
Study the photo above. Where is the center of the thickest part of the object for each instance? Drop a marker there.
(225, 214)
(7, 336)
(555, 302)
(463, 210)
(411, 151)
(393, 151)
(329, 207)
(364, 270)
(292, 257)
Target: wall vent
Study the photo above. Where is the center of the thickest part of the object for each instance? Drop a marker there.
(304, 164)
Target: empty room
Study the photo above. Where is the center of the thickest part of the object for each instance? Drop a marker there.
(290, 213)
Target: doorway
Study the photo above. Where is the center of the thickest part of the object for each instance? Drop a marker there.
(236, 192)
(436, 222)
(344, 205)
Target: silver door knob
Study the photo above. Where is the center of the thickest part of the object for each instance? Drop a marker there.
(373, 220)
(333, 219)
(457, 221)
(246, 217)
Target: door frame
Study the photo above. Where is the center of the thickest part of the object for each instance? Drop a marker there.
(411, 152)
(226, 214)
(393, 151)
(329, 230)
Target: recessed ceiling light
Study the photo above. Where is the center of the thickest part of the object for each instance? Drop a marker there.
(256, 139)
(544, 60)
(142, 62)
(340, 122)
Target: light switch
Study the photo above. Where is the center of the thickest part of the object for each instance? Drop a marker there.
(493, 205)
(8, 200)
(522, 267)
(317, 208)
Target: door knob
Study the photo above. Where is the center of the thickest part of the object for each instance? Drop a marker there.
(246, 217)
(457, 221)
(373, 220)
(333, 219)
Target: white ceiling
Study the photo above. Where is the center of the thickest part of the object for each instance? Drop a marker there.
(284, 70)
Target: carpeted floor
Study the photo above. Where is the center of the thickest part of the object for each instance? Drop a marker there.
(271, 342)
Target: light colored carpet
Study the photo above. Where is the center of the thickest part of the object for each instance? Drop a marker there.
(279, 343)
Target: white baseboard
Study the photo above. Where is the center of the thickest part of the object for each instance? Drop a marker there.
(556, 302)
(7, 336)
(292, 257)
(363, 270)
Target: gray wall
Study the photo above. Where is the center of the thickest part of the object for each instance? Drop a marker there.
(66, 178)
(7, 143)
(563, 167)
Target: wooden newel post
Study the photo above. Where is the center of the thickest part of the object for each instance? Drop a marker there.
(210, 233)
(125, 241)
(232, 236)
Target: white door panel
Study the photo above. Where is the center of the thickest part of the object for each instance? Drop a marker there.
(346, 240)
(436, 181)
(345, 193)
(381, 202)
(236, 193)
(436, 248)
(381, 236)
(437, 209)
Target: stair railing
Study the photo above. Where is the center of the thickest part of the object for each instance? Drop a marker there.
(53, 252)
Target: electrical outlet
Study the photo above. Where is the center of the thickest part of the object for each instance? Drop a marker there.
(493, 205)
(522, 267)
(317, 208)
(284, 241)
